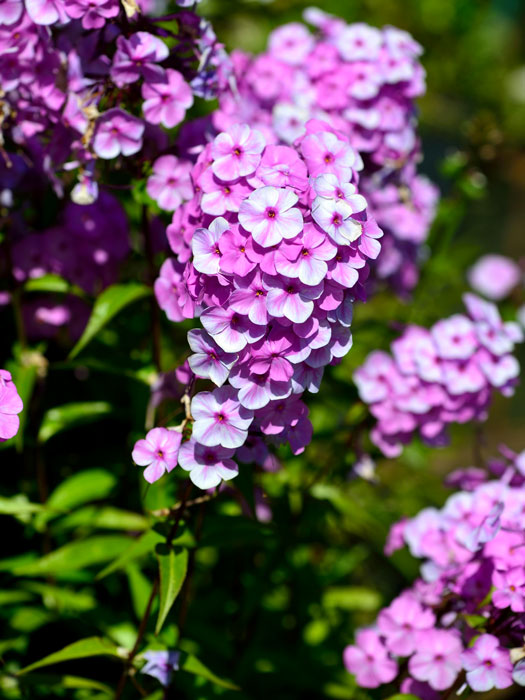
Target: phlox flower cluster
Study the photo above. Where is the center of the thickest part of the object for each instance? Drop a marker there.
(495, 276)
(443, 375)
(10, 406)
(271, 252)
(463, 620)
(90, 81)
(364, 82)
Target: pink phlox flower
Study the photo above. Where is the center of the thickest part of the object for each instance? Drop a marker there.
(158, 452)
(219, 418)
(269, 214)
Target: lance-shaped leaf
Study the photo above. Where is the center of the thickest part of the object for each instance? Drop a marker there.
(70, 415)
(108, 304)
(191, 664)
(172, 571)
(84, 648)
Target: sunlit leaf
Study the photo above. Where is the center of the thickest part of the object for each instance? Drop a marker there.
(107, 518)
(75, 555)
(139, 548)
(172, 571)
(191, 664)
(18, 505)
(84, 648)
(108, 304)
(71, 415)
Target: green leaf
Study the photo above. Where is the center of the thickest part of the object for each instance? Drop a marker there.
(48, 283)
(172, 570)
(107, 518)
(192, 665)
(82, 487)
(58, 597)
(108, 304)
(59, 682)
(403, 696)
(140, 589)
(84, 648)
(144, 545)
(14, 597)
(18, 505)
(71, 415)
(75, 555)
(352, 598)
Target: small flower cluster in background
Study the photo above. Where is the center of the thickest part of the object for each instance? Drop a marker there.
(363, 81)
(439, 376)
(10, 406)
(463, 621)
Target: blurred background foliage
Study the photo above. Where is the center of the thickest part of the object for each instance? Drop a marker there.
(268, 605)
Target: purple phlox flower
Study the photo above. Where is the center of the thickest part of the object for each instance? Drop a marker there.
(437, 659)
(270, 357)
(170, 184)
(291, 43)
(369, 660)
(170, 291)
(93, 13)
(207, 466)
(269, 214)
(117, 132)
(281, 166)
(10, 406)
(230, 330)
(220, 197)
(237, 254)
(401, 624)
(158, 452)
(205, 246)
(328, 186)
(359, 42)
(334, 216)
(487, 664)
(249, 298)
(510, 589)
(518, 674)
(494, 276)
(306, 258)
(166, 102)
(137, 57)
(290, 298)
(257, 390)
(455, 337)
(421, 690)
(219, 418)
(160, 665)
(209, 361)
(325, 153)
(237, 152)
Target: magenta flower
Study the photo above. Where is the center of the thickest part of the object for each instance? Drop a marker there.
(220, 197)
(237, 254)
(269, 214)
(510, 589)
(494, 276)
(166, 102)
(11, 11)
(236, 152)
(169, 288)
(205, 246)
(401, 624)
(93, 13)
(207, 466)
(369, 661)
(137, 57)
(46, 12)
(454, 337)
(437, 659)
(359, 42)
(257, 390)
(290, 43)
(231, 330)
(209, 360)
(219, 418)
(249, 299)
(334, 217)
(306, 258)
(10, 405)
(158, 452)
(325, 153)
(487, 664)
(328, 187)
(280, 166)
(117, 133)
(290, 298)
(170, 184)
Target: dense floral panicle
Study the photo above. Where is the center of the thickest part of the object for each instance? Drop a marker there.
(272, 281)
(10, 406)
(466, 612)
(439, 376)
(495, 276)
(363, 81)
